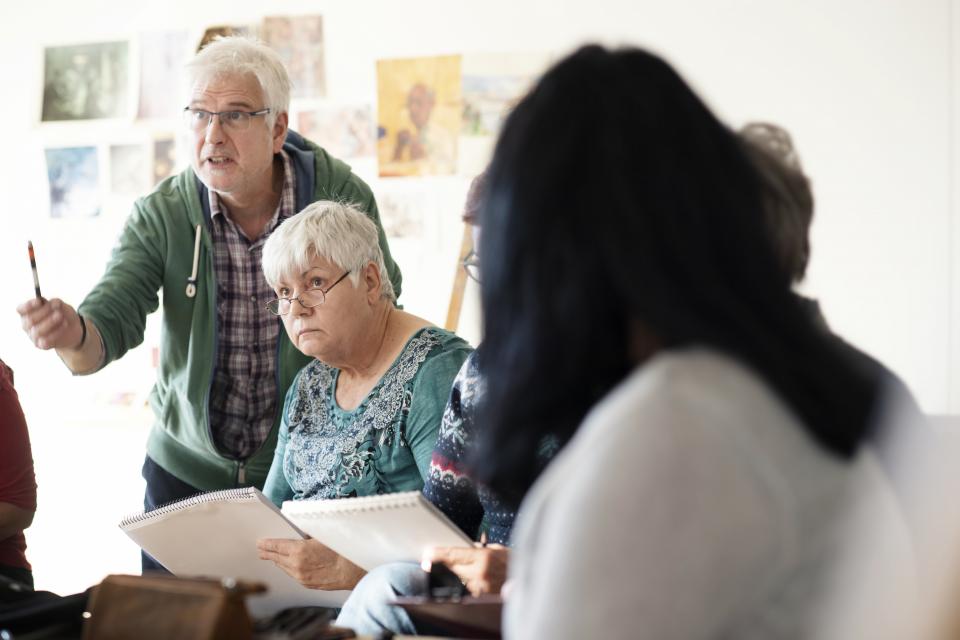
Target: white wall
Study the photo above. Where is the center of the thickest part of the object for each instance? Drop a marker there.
(866, 88)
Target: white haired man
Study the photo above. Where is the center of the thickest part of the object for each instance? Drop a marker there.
(225, 363)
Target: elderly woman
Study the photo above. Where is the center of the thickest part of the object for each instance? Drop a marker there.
(362, 418)
(482, 569)
(475, 509)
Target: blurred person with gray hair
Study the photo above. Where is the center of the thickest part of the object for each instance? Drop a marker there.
(362, 417)
(788, 206)
(874, 575)
(225, 364)
(786, 193)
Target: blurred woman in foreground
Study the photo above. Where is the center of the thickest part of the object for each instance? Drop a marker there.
(635, 310)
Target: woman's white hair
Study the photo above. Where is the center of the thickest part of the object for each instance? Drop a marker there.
(335, 231)
(238, 55)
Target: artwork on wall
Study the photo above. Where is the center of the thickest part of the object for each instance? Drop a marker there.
(130, 169)
(492, 85)
(402, 213)
(299, 41)
(87, 81)
(162, 57)
(346, 132)
(222, 31)
(164, 158)
(74, 179)
(419, 105)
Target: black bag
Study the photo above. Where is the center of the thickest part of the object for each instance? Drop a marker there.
(300, 623)
(36, 615)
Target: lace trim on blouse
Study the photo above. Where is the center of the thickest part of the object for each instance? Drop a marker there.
(328, 448)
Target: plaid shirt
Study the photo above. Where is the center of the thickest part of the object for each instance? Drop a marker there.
(243, 397)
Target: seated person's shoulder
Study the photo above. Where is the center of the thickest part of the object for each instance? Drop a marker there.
(450, 350)
(441, 357)
(6, 377)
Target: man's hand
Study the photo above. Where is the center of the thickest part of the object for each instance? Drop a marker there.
(310, 563)
(482, 569)
(51, 324)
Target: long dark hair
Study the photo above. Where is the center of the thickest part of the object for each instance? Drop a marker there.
(616, 199)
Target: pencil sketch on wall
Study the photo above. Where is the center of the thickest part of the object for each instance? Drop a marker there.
(87, 81)
(130, 169)
(162, 59)
(346, 132)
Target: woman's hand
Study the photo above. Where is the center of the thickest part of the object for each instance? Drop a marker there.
(310, 563)
(482, 569)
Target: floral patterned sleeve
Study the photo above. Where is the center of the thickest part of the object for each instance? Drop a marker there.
(448, 485)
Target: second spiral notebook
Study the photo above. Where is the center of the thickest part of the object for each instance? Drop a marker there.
(375, 530)
(215, 535)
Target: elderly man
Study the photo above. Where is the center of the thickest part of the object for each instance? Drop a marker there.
(225, 364)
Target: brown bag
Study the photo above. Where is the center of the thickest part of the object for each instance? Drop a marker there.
(148, 607)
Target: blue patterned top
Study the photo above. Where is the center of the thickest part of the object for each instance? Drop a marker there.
(382, 446)
(472, 507)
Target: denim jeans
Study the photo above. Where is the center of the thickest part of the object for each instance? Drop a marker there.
(367, 611)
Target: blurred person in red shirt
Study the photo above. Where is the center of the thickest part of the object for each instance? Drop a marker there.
(18, 486)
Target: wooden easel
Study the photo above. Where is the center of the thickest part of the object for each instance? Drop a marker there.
(459, 280)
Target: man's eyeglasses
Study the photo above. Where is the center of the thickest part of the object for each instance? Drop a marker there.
(198, 120)
(471, 264)
(308, 299)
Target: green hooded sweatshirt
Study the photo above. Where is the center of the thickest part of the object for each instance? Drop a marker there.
(155, 251)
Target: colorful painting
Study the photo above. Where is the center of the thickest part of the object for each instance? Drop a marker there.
(419, 113)
(74, 182)
(492, 85)
(88, 81)
(299, 41)
(162, 57)
(346, 132)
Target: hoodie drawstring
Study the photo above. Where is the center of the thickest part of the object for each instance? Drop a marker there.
(192, 280)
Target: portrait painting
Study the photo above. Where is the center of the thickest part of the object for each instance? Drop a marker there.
(87, 81)
(418, 115)
(299, 41)
(74, 178)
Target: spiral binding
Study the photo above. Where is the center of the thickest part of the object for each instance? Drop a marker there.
(318, 509)
(224, 495)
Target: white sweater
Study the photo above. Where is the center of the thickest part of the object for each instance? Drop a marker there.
(690, 504)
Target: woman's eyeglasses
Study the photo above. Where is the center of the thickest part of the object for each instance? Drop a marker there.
(308, 299)
(471, 264)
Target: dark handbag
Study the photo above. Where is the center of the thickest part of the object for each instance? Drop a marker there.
(301, 623)
(154, 607)
(41, 614)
